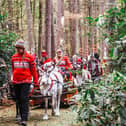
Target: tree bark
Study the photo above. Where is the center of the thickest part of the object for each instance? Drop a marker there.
(60, 24)
(29, 24)
(79, 27)
(73, 26)
(10, 15)
(48, 26)
(40, 40)
(34, 30)
(21, 19)
(52, 35)
(17, 16)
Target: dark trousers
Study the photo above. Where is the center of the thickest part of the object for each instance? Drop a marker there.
(22, 99)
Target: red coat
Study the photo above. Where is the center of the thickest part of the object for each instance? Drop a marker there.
(24, 69)
(64, 63)
(46, 61)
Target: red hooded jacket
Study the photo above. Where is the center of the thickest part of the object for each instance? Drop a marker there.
(23, 68)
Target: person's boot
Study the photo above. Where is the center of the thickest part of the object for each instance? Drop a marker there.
(23, 123)
(18, 118)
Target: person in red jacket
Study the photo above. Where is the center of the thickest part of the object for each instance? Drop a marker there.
(64, 63)
(44, 58)
(24, 69)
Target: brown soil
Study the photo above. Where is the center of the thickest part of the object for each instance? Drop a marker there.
(67, 117)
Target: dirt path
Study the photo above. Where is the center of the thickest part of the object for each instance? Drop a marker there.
(67, 118)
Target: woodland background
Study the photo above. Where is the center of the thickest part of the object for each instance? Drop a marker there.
(76, 26)
(51, 24)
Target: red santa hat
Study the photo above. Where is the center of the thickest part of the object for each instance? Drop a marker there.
(43, 53)
(79, 60)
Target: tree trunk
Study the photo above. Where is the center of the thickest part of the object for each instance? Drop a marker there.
(29, 23)
(73, 26)
(48, 26)
(79, 27)
(34, 31)
(60, 24)
(10, 15)
(78, 40)
(52, 36)
(40, 28)
(66, 36)
(89, 25)
(85, 30)
(21, 19)
(17, 16)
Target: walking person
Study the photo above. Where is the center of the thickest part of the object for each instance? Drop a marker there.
(23, 68)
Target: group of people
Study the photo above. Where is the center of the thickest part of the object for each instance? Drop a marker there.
(62, 61)
(93, 64)
(24, 69)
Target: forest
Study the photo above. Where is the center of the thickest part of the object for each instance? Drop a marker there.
(51, 24)
(77, 27)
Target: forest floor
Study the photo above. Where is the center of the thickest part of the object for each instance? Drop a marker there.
(67, 117)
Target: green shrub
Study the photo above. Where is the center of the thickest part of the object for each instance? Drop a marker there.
(6, 49)
(102, 103)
